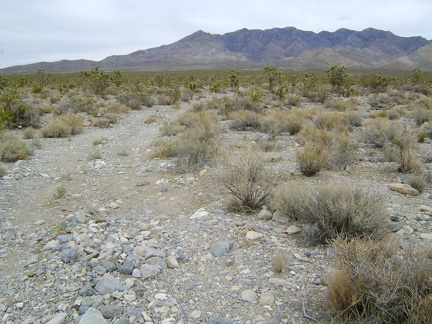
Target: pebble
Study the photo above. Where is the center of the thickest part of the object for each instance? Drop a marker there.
(265, 215)
(249, 296)
(253, 236)
(220, 248)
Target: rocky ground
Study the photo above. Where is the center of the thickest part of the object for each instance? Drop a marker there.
(101, 234)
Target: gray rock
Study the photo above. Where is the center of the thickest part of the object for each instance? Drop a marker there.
(172, 262)
(70, 255)
(86, 291)
(122, 321)
(136, 273)
(92, 316)
(64, 238)
(154, 253)
(249, 296)
(220, 248)
(108, 265)
(111, 311)
(160, 262)
(280, 217)
(267, 298)
(99, 270)
(108, 284)
(265, 214)
(221, 321)
(59, 318)
(149, 271)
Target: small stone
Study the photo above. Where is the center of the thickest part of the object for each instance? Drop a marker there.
(282, 282)
(59, 318)
(265, 215)
(172, 262)
(161, 296)
(108, 284)
(426, 236)
(301, 258)
(426, 209)
(249, 296)
(403, 188)
(136, 273)
(149, 271)
(267, 298)
(86, 291)
(151, 253)
(92, 316)
(221, 321)
(200, 213)
(111, 311)
(157, 261)
(114, 205)
(142, 184)
(40, 222)
(203, 172)
(291, 230)
(220, 248)
(253, 236)
(195, 314)
(280, 217)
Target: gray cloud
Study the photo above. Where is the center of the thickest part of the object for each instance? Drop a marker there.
(50, 30)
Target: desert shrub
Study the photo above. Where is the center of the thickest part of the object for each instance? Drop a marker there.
(246, 178)
(418, 180)
(171, 128)
(2, 172)
(294, 100)
(421, 115)
(312, 159)
(376, 282)
(380, 132)
(328, 120)
(244, 119)
(331, 212)
(59, 193)
(13, 149)
(65, 126)
(343, 151)
(280, 262)
(409, 162)
(352, 119)
(134, 104)
(166, 149)
(30, 133)
(101, 122)
(393, 114)
(197, 145)
(342, 105)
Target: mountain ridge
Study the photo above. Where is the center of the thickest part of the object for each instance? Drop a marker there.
(287, 48)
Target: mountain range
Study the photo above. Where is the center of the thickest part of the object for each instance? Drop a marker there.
(286, 48)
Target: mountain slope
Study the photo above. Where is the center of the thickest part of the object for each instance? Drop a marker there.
(288, 48)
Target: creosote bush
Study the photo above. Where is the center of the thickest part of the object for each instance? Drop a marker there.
(331, 212)
(246, 178)
(312, 159)
(376, 282)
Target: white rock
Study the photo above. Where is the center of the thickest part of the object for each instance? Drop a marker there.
(249, 296)
(200, 213)
(253, 236)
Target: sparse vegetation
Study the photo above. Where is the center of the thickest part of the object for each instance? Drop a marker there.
(246, 178)
(332, 212)
(13, 149)
(375, 281)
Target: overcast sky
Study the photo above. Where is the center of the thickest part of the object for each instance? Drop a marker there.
(50, 30)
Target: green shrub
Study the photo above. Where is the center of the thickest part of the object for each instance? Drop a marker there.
(331, 212)
(246, 179)
(13, 149)
(376, 282)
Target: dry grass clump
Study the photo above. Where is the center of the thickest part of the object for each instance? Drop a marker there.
(376, 282)
(65, 126)
(13, 149)
(418, 181)
(329, 120)
(331, 212)
(352, 119)
(245, 176)
(421, 115)
(166, 149)
(244, 120)
(171, 128)
(312, 158)
(197, 145)
(280, 262)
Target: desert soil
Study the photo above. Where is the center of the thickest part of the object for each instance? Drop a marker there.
(66, 259)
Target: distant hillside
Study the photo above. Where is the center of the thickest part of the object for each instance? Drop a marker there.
(287, 48)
